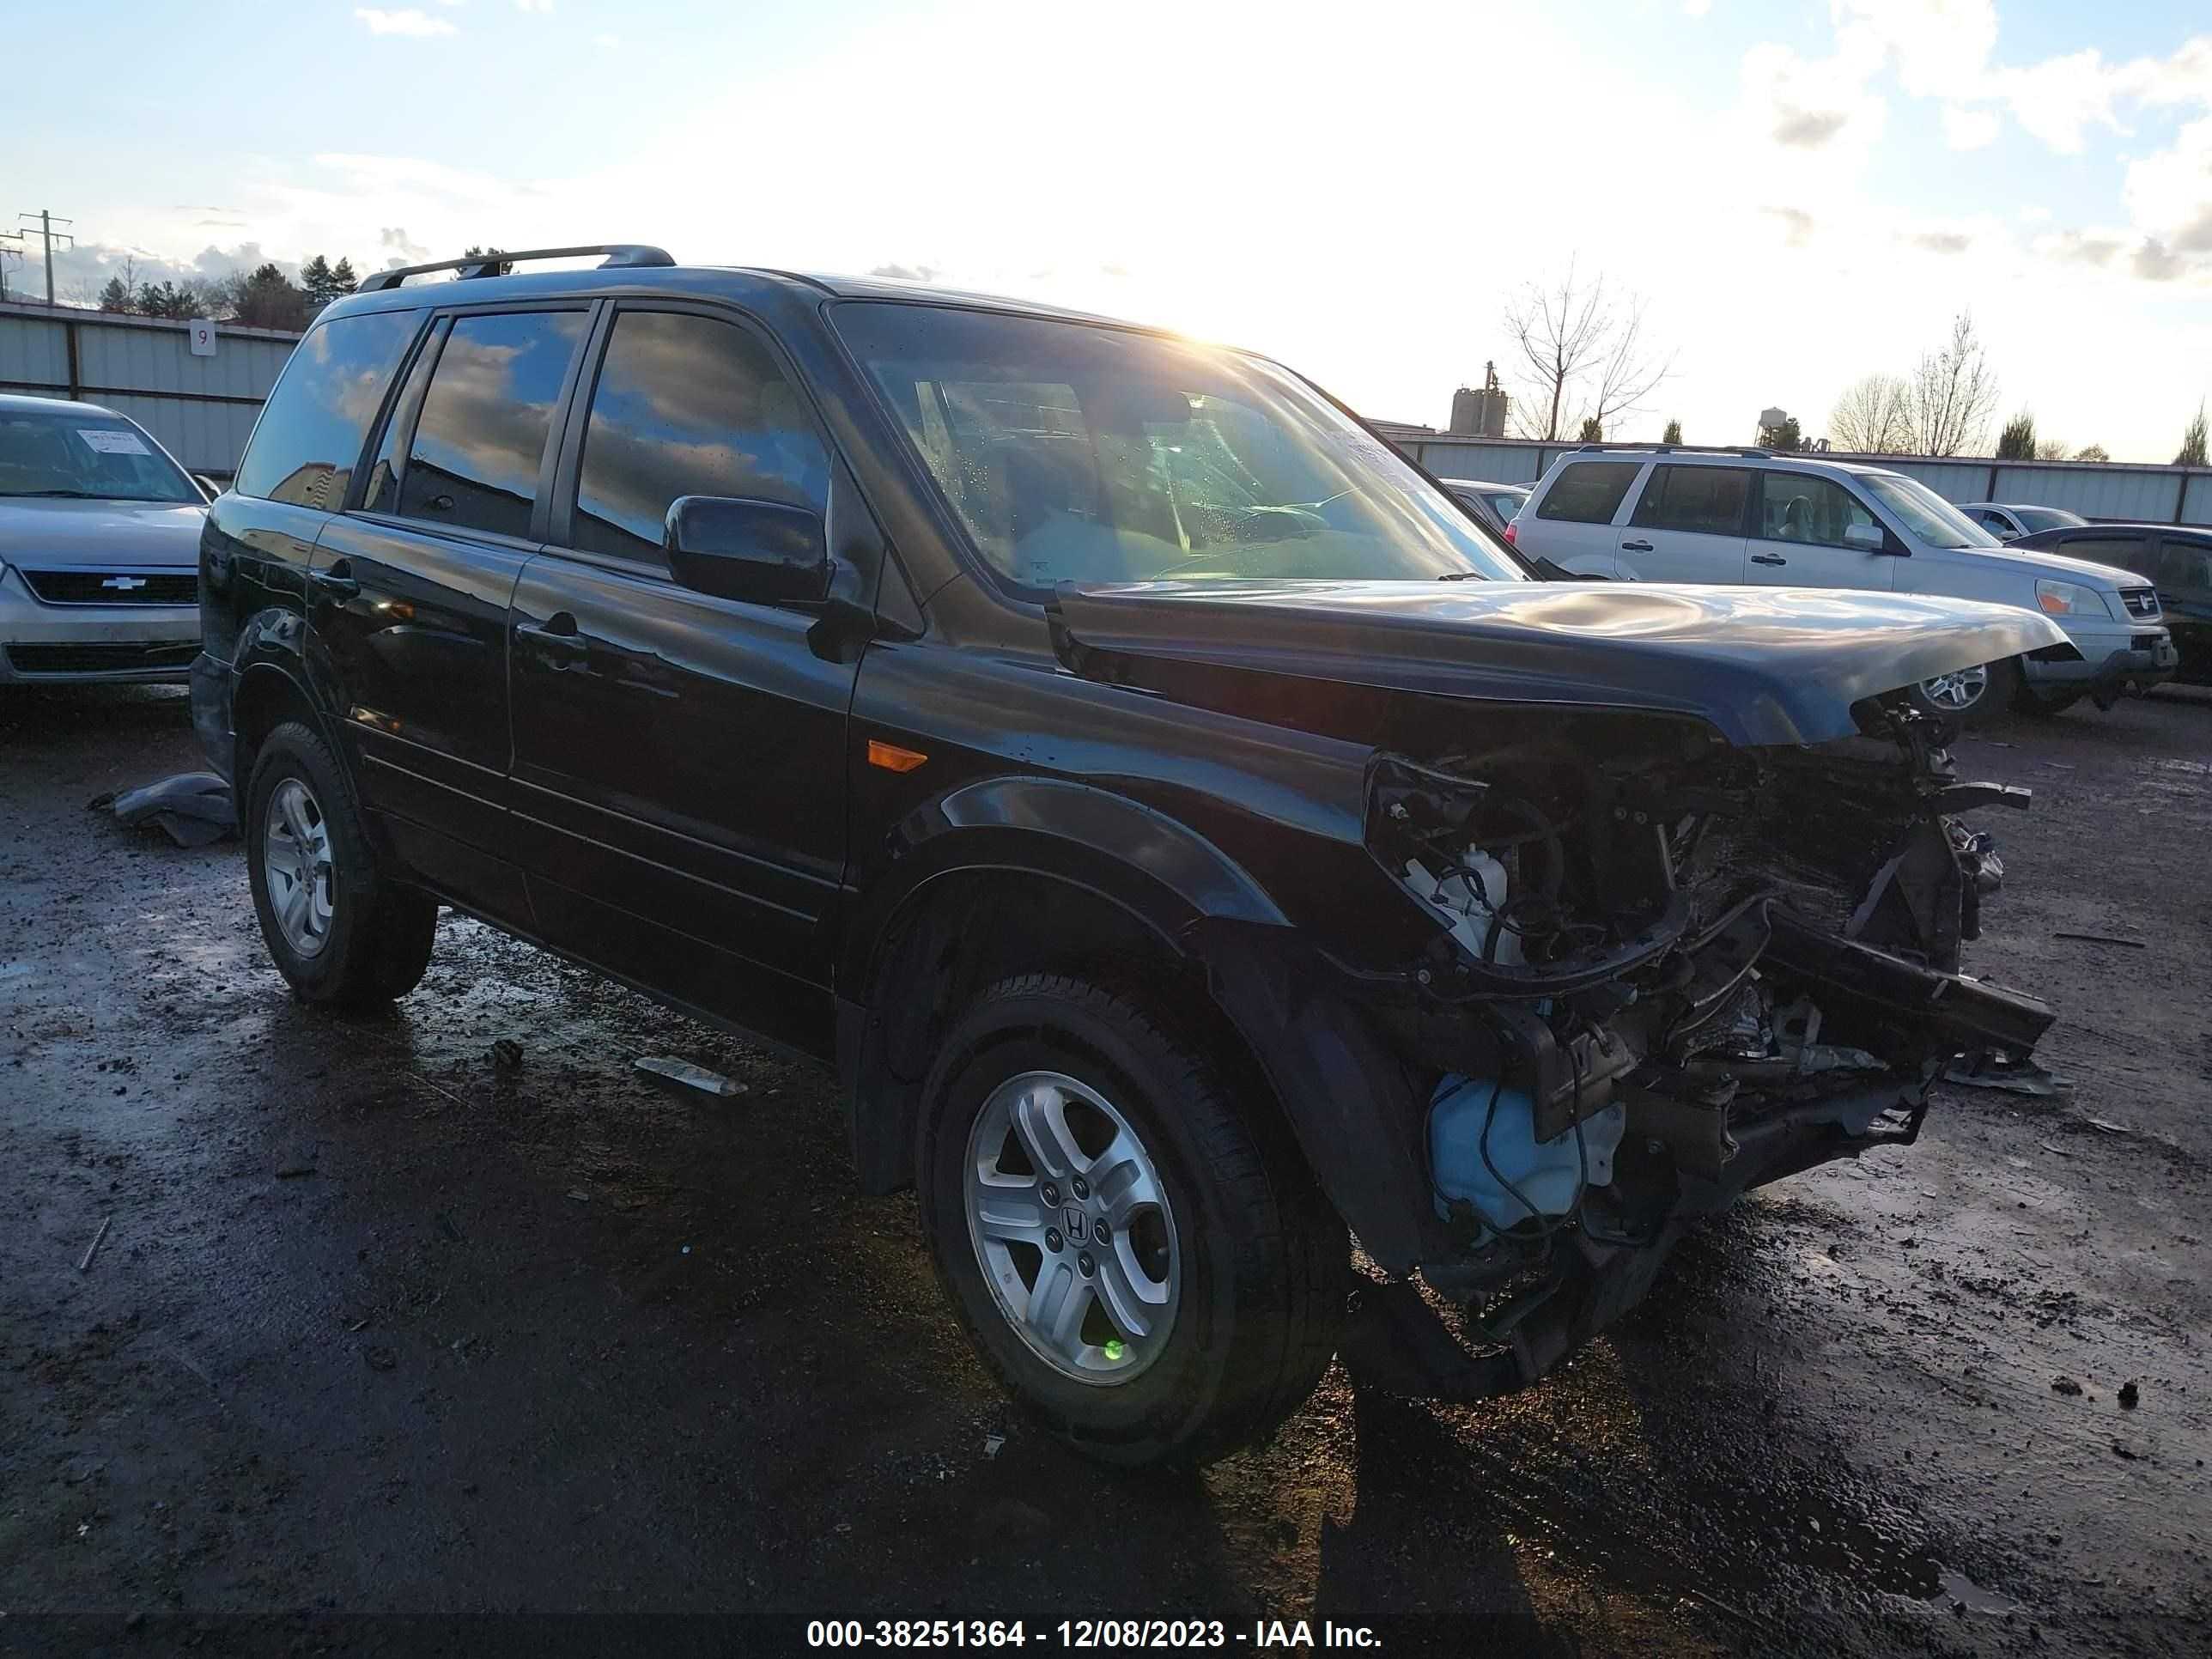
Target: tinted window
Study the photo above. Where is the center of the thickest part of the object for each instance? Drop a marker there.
(2124, 552)
(1588, 492)
(485, 419)
(689, 406)
(1505, 505)
(2046, 517)
(2186, 565)
(1795, 506)
(1705, 499)
(85, 452)
(310, 434)
(381, 492)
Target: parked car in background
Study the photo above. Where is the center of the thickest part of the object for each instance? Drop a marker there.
(2176, 558)
(1494, 504)
(100, 536)
(1765, 519)
(1191, 838)
(2009, 522)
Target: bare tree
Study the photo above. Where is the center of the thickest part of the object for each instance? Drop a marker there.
(1953, 394)
(1585, 356)
(2054, 449)
(2092, 452)
(1869, 418)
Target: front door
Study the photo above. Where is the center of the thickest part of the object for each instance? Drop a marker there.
(409, 594)
(1800, 535)
(1688, 526)
(679, 757)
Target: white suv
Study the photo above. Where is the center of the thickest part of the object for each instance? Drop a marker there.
(1754, 518)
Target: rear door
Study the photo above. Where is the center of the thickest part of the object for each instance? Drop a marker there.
(678, 756)
(1798, 527)
(1689, 525)
(410, 591)
(1573, 523)
(2184, 590)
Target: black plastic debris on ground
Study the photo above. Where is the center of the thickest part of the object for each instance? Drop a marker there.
(195, 808)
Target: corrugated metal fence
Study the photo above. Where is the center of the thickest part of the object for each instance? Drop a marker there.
(200, 408)
(2095, 489)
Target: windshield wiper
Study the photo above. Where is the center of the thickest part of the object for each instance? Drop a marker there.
(1463, 576)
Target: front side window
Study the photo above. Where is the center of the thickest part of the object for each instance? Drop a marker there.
(1588, 492)
(689, 405)
(308, 438)
(1075, 452)
(86, 454)
(1927, 516)
(1706, 500)
(478, 442)
(1797, 507)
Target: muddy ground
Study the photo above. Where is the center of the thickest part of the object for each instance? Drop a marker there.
(377, 1333)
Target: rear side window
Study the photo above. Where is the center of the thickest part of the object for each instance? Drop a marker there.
(2186, 565)
(2124, 552)
(474, 462)
(1588, 492)
(309, 437)
(1706, 500)
(689, 405)
(1795, 506)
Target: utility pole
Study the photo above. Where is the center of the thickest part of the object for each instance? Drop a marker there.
(47, 223)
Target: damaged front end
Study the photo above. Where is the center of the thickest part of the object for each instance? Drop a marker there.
(1659, 981)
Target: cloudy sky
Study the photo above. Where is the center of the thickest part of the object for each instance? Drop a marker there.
(1803, 190)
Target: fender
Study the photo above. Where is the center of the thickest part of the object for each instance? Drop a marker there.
(1159, 870)
(273, 641)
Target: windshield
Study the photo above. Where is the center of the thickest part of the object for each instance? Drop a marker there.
(1927, 516)
(85, 452)
(1073, 452)
(2033, 519)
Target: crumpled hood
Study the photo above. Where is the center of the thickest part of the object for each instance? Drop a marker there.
(1761, 664)
(47, 531)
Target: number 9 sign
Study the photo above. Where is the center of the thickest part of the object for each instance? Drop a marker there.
(203, 335)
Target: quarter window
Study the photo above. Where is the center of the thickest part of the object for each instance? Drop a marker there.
(2186, 566)
(308, 438)
(1797, 507)
(474, 461)
(1706, 500)
(2122, 552)
(1588, 492)
(689, 405)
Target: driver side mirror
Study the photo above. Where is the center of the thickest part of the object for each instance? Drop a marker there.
(1869, 538)
(735, 548)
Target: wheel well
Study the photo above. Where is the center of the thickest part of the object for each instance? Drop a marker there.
(966, 931)
(265, 699)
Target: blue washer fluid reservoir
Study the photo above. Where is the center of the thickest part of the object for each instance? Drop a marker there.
(1546, 1171)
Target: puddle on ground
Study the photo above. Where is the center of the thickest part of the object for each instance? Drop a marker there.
(1956, 1588)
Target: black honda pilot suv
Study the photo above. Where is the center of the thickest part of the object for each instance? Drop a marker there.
(1195, 843)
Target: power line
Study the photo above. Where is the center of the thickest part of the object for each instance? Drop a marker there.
(46, 221)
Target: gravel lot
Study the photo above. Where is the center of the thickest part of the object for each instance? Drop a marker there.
(380, 1334)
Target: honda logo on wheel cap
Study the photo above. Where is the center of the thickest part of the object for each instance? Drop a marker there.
(1078, 1225)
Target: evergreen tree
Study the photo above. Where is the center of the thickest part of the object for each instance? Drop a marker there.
(1785, 436)
(315, 282)
(1673, 434)
(2192, 442)
(2017, 441)
(342, 281)
(116, 295)
(1593, 431)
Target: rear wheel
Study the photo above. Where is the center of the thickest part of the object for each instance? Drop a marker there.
(1145, 1263)
(1969, 696)
(336, 930)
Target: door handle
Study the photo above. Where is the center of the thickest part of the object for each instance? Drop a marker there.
(1635, 547)
(338, 579)
(1768, 558)
(556, 636)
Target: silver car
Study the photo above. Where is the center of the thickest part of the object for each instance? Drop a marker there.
(100, 535)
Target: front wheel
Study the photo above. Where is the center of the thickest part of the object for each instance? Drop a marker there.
(1143, 1259)
(1969, 696)
(336, 931)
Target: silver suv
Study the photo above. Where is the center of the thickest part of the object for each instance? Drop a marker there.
(100, 536)
(1758, 518)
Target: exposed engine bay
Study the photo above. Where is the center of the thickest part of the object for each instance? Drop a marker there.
(1661, 978)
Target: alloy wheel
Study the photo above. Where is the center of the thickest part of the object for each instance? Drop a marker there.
(295, 866)
(1072, 1228)
(1957, 691)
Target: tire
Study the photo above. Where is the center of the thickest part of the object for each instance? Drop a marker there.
(354, 938)
(1997, 689)
(1248, 1259)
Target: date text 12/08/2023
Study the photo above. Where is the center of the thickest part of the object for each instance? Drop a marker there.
(1085, 1633)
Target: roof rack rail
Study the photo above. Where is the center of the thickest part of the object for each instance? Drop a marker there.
(620, 255)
